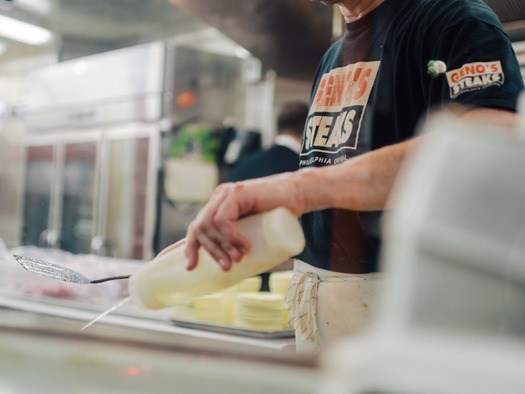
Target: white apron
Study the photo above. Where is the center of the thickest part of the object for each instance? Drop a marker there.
(325, 306)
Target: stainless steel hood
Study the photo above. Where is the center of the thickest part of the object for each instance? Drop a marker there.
(289, 36)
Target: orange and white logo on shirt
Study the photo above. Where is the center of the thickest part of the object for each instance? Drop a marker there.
(474, 76)
(338, 107)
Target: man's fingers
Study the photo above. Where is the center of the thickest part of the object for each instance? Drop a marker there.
(216, 252)
(230, 238)
(209, 240)
(215, 229)
(234, 253)
(192, 252)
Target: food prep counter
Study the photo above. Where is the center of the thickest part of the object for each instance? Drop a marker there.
(42, 349)
(45, 346)
(80, 314)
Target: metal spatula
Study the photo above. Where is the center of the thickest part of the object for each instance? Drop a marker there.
(56, 271)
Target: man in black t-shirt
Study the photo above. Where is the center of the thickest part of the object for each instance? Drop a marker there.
(397, 60)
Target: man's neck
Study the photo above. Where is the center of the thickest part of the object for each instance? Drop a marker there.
(353, 10)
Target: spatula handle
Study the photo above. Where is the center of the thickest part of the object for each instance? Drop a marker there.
(110, 278)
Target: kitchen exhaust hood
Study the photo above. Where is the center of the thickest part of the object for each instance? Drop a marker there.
(289, 36)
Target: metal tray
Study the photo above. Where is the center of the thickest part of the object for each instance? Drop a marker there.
(233, 330)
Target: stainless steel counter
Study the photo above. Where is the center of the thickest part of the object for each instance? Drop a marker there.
(154, 323)
(43, 351)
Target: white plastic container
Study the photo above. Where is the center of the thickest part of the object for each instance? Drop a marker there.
(275, 236)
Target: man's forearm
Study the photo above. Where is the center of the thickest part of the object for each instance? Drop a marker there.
(362, 183)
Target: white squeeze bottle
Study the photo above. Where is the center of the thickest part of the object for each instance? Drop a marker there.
(275, 236)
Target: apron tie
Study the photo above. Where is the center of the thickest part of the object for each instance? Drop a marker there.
(301, 302)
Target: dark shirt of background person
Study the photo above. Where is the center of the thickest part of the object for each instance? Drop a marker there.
(283, 154)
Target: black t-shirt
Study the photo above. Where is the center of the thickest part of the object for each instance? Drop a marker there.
(372, 88)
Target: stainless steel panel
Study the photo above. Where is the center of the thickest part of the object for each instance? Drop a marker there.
(105, 77)
(37, 195)
(126, 194)
(147, 108)
(79, 197)
(12, 175)
(215, 80)
(93, 191)
(59, 188)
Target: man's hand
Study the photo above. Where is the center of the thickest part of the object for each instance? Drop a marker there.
(215, 227)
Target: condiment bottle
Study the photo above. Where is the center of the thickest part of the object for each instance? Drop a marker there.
(275, 236)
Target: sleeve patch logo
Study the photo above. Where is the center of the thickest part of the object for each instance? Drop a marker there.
(474, 76)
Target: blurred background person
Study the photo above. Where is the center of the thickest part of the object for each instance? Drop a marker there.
(283, 154)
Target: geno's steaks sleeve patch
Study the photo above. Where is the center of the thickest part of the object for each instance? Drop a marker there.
(474, 76)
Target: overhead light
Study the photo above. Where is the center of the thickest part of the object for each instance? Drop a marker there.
(23, 32)
(41, 7)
